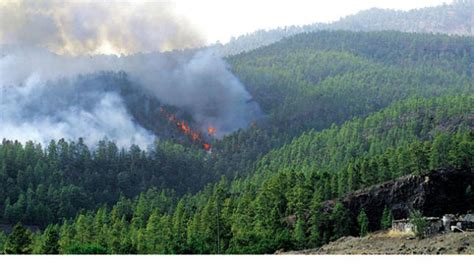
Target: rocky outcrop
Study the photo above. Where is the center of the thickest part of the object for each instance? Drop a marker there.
(434, 194)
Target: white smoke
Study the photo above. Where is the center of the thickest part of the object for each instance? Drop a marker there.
(78, 27)
(41, 111)
(42, 100)
(200, 83)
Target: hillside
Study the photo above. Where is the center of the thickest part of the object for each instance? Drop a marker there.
(376, 140)
(383, 243)
(343, 112)
(314, 80)
(454, 19)
(249, 216)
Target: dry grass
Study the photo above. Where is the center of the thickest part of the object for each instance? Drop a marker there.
(397, 234)
(394, 242)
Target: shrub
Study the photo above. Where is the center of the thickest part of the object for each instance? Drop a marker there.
(419, 224)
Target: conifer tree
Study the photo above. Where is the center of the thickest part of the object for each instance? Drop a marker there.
(299, 235)
(316, 220)
(386, 220)
(19, 241)
(363, 222)
(341, 221)
(50, 243)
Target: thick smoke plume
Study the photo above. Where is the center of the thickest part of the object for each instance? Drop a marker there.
(46, 47)
(92, 27)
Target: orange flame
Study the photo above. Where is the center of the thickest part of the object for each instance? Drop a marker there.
(211, 131)
(195, 136)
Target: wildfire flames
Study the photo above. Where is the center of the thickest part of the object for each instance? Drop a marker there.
(211, 131)
(195, 136)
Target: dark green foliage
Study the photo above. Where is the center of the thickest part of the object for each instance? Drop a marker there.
(314, 80)
(50, 243)
(3, 240)
(386, 220)
(344, 111)
(90, 249)
(318, 221)
(19, 241)
(253, 215)
(341, 222)
(383, 146)
(419, 224)
(45, 186)
(363, 222)
(299, 234)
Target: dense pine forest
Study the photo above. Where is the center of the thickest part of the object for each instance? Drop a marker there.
(342, 110)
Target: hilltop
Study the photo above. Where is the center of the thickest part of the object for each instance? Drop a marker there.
(453, 19)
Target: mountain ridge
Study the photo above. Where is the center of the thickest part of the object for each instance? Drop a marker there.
(453, 19)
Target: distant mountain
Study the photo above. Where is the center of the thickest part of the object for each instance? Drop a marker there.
(456, 18)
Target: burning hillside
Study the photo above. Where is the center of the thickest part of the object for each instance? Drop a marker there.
(40, 74)
(194, 136)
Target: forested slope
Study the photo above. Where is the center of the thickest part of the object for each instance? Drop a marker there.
(382, 146)
(343, 111)
(252, 215)
(45, 185)
(313, 80)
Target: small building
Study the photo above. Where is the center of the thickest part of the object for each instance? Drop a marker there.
(434, 226)
(448, 222)
(460, 223)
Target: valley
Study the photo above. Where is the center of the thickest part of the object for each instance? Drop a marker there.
(307, 140)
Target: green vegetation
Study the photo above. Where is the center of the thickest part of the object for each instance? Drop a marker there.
(19, 241)
(312, 81)
(387, 217)
(42, 186)
(419, 224)
(363, 222)
(344, 111)
(450, 19)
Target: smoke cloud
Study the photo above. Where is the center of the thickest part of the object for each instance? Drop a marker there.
(199, 83)
(47, 47)
(94, 27)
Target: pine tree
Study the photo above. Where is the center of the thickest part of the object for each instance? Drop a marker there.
(66, 240)
(19, 241)
(316, 221)
(341, 221)
(386, 220)
(439, 156)
(419, 223)
(152, 232)
(419, 158)
(299, 235)
(82, 228)
(50, 244)
(363, 223)
(3, 240)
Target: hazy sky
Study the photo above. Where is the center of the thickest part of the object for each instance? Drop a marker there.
(219, 20)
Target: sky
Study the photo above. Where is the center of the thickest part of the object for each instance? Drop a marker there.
(219, 20)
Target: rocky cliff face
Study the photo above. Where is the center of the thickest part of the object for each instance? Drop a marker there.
(434, 194)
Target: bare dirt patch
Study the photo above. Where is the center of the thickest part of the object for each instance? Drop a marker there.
(395, 243)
